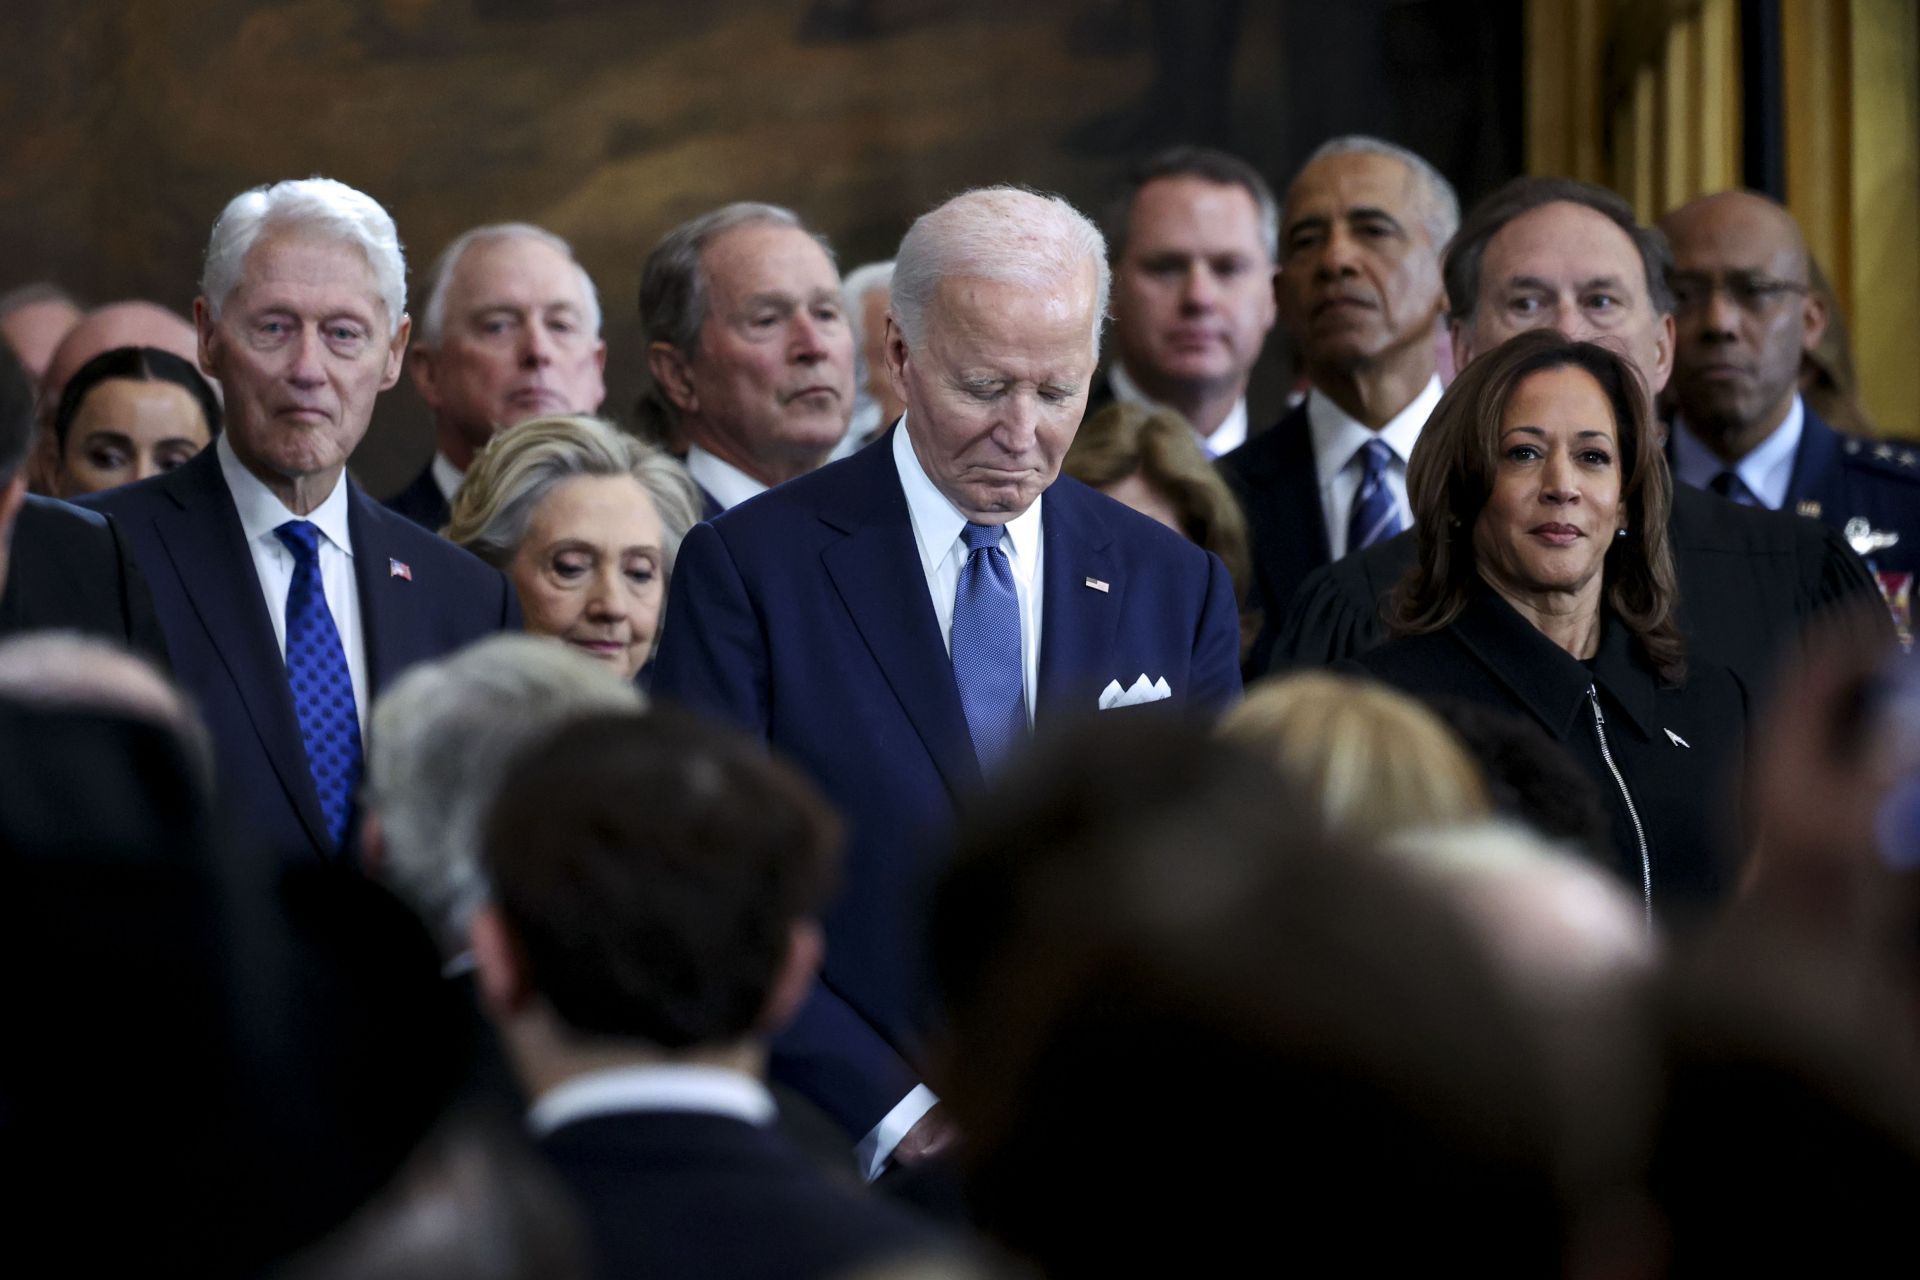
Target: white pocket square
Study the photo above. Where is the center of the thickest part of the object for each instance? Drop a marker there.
(1143, 690)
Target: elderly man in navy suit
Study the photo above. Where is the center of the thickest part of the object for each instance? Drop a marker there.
(289, 599)
(1745, 314)
(900, 621)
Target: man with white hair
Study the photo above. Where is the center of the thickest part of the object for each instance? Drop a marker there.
(441, 740)
(868, 292)
(900, 622)
(510, 331)
(289, 598)
(1361, 233)
(748, 349)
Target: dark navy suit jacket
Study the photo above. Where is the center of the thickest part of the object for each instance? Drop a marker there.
(422, 502)
(69, 569)
(686, 1194)
(803, 615)
(1278, 485)
(1839, 479)
(185, 533)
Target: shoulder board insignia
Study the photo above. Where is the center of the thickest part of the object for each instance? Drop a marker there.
(1852, 447)
(1884, 452)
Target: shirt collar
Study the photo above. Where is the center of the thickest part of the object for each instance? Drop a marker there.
(1228, 436)
(1337, 436)
(614, 1090)
(261, 512)
(937, 522)
(729, 485)
(446, 476)
(1767, 470)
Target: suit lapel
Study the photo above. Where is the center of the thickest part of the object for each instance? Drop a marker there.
(876, 570)
(203, 538)
(1078, 621)
(1815, 462)
(394, 628)
(1289, 521)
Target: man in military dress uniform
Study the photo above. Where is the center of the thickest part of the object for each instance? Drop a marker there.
(1746, 313)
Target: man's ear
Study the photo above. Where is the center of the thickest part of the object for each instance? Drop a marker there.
(421, 363)
(806, 948)
(674, 375)
(499, 966)
(1462, 342)
(208, 330)
(1663, 355)
(1813, 321)
(396, 353)
(896, 358)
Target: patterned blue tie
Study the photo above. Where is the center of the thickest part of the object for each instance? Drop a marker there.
(1375, 514)
(322, 688)
(986, 647)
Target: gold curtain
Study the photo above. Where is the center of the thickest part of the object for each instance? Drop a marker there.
(1644, 96)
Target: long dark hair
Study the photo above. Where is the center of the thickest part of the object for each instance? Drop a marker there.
(1450, 477)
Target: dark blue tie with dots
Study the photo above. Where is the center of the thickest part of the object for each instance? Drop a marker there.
(986, 647)
(1375, 514)
(322, 687)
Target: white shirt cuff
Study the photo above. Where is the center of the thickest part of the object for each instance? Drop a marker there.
(876, 1149)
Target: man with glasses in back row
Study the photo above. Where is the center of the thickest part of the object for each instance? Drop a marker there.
(1746, 313)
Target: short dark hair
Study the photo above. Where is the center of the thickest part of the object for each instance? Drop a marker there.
(650, 869)
(16, 412)
(136, 364)
(1461, 269)
(1451, 474)
(1206, 164)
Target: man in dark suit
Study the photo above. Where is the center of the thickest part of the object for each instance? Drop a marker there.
(289, 598)
(898, 622)
(1746, 315)
(655, 882)
(510, 331)
(1361, 235)
(749, 352)
(1194, 237)
(1570, 255)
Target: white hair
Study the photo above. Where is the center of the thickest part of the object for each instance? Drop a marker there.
(1009, 235)
(433, 315)
(67, 670)
(438, 748)
(318, 205)
(1439, 205)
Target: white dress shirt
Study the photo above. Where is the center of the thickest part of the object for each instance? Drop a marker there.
(1767, 470)
(260, 514)
(446, 476)
(729, 485)
(1228, 436)
(936, 532)
(1337, 441)
(617, 1090)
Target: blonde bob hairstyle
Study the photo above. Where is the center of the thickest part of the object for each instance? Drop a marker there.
(1377, 761)
(523, 464)
(1157, 444)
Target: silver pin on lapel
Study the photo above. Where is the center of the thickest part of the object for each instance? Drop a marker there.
(1098, 585)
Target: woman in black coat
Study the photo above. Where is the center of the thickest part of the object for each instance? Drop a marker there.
(1545, 587)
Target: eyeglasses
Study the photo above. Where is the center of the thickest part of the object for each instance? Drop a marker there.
(1752, 293)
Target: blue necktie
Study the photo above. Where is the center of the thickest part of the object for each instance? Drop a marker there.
(1375, 514)
(1729, 485)
(986, 647)
(322, 688)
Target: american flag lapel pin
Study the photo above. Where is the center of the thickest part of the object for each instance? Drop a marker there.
(399, 569)
(1098, 585)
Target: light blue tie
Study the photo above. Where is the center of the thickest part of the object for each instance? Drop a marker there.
(986, 647)
(1375, 514)
(322, 687)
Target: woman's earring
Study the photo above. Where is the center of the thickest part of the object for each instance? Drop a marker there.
(1619, 533)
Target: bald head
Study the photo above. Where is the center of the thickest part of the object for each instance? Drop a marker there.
(118, 324)
(1746, 316)
(33, 320)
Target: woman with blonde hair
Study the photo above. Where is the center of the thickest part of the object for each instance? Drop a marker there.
(585, 520)
(1146, 457)
(1377, 761)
